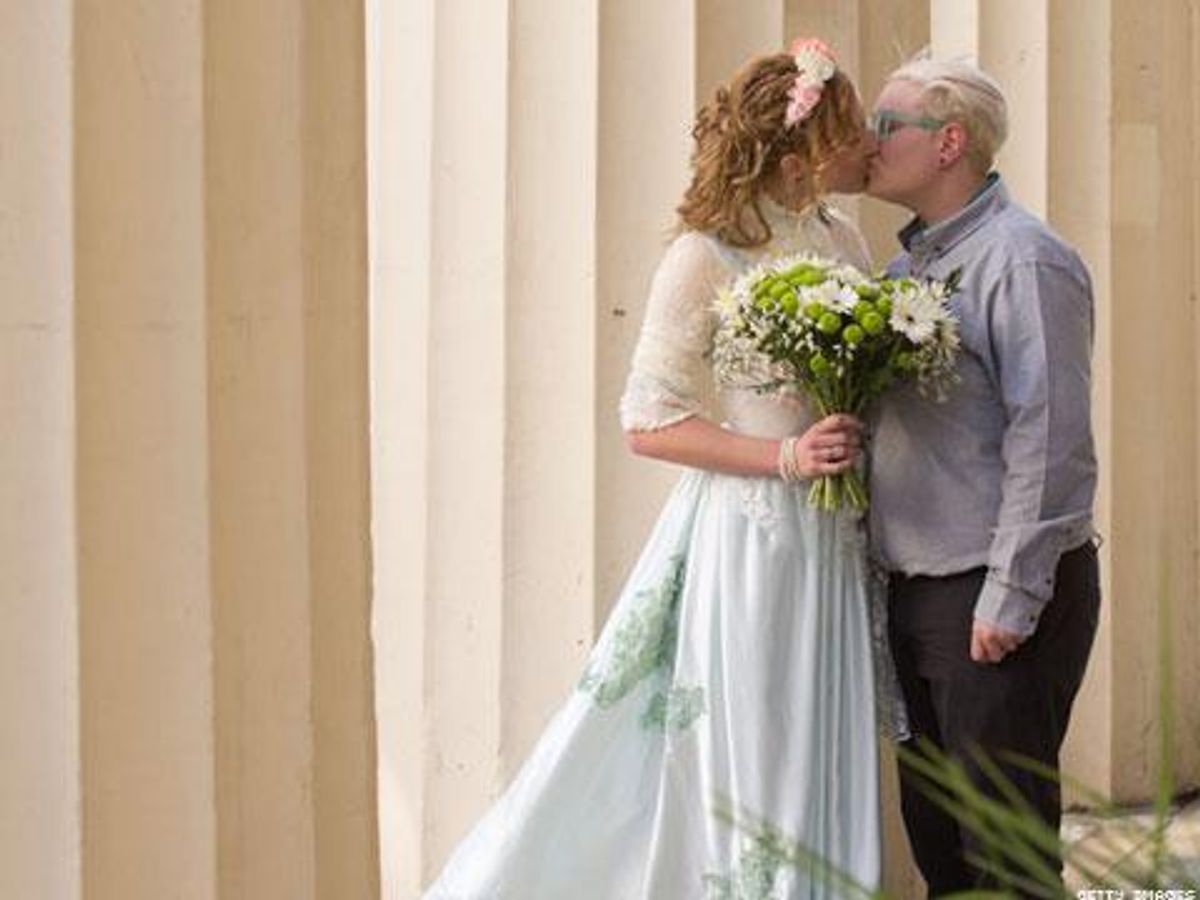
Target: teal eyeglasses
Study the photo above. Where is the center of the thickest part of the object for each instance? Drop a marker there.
(886, 122)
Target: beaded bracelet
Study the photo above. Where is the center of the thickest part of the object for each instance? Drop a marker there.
(789, 460)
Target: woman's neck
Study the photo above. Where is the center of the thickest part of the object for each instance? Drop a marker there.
(793, 197)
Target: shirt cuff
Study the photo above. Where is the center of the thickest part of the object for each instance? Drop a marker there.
(1003, 606)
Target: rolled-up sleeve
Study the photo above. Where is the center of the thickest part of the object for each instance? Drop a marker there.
(1040, 318)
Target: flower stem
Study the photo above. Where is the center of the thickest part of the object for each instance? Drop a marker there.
(830, 493)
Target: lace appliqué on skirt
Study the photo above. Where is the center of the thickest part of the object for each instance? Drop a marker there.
(757, 505)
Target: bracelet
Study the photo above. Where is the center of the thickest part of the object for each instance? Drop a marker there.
(789, 460)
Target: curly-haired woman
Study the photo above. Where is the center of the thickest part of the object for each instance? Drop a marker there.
(721, 742)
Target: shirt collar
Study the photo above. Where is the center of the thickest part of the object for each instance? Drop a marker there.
(916, 237)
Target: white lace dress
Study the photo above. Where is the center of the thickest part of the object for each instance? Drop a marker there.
(721, 742)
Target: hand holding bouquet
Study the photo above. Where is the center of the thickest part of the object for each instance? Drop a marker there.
(838, 336)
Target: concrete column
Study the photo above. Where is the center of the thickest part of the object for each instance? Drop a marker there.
(142, 451)
(890, 33)
(728, 33)
(954, 28)
(1186, 660)
(40, 817)
(644, 142)
(1153, 528)
(550, 370)
(836, 23)
(439, 346)
(1179, 228)
(261, 576)
(1013, 47)
(401, 91)
(337, 447)
(464, 589)
(1079, 206)
(287, 408)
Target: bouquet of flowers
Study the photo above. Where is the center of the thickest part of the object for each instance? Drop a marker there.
(827, 330)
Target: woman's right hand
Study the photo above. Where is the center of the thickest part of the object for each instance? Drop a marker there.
(830, 447)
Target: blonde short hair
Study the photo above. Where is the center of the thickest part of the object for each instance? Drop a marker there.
(959, 91)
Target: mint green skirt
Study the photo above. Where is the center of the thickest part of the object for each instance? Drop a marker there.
(721, 742)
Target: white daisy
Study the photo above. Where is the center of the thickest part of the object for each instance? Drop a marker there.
(836, 296)
(916, 314)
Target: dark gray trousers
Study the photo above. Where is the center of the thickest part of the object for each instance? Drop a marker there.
(1020, 705)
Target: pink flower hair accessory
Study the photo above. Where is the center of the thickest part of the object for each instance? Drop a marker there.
(815, 65)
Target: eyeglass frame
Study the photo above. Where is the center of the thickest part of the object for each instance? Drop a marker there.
(877, 120)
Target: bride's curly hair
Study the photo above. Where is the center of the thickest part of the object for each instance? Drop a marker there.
(740, 137)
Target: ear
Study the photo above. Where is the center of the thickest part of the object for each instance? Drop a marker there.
(791, 166)
(953, 144)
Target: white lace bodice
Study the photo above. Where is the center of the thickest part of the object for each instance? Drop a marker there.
(671, 373)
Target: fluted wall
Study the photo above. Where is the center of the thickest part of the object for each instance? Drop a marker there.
(313, 322)
(187, 677)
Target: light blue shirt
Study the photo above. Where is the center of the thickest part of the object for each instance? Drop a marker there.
(1003, 473)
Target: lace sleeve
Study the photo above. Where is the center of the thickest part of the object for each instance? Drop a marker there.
(671, 369)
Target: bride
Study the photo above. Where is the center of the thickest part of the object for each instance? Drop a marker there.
(721, 741)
